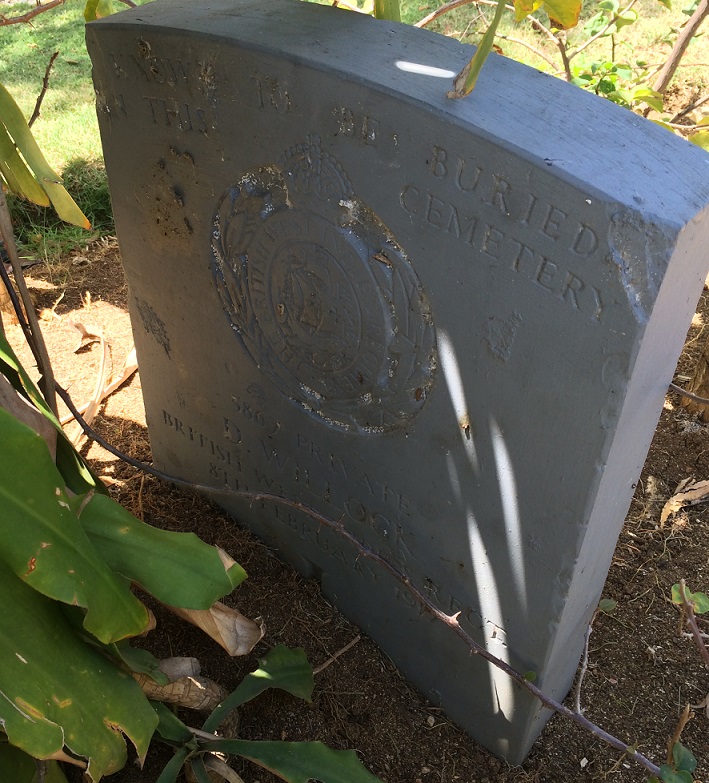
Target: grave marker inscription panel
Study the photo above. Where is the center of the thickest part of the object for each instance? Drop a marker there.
(450, 324)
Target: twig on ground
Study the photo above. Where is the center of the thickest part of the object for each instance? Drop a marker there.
(336, 655)
(584, 667)
(96, 398)
(45, 87)
(693, 105)
(684, 719)
(129, 368)
(451, 621)
(689, 395)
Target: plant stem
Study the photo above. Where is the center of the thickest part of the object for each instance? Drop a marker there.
(387, 9)
(34, 333)
(465, 81)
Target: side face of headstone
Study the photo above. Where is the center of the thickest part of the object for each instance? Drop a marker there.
(449, 324)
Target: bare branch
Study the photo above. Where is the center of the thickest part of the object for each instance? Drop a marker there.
(45, 86)
(693, 105)
(584, 666)
(24, 18)
(531, 48)
(692, 622)
(681, 44)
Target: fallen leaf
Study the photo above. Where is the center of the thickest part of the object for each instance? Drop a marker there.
(237, 634)
(87, 335)
(688, 493)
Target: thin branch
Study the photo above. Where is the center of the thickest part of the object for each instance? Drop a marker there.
(33, 333)
(336, 655)
(602, 32)
(692, 622)
(365, 551)
(689, 395)
(40, 9)
(584, 667)
(694, 105)
(531, 48)
(453, 4)
(444, 9)
(684, 719)
(45, 85)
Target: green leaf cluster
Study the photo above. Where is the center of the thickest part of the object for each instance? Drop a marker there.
(698, 601)
(295, 762)
(24, 170)
(68, 556)
(680, 771)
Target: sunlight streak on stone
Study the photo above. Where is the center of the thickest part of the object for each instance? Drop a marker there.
(451, 371)
(501, 688)
(424, 70)
(510, 509)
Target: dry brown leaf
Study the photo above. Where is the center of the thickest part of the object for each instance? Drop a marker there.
(197, 693)
(180, 666)
(129, 367)
(237, 634)
(688, 493)
(87, 335)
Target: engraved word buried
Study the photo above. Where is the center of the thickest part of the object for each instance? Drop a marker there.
(321, 296)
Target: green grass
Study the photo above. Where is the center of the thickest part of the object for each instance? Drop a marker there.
(67, 127)
(42, 235)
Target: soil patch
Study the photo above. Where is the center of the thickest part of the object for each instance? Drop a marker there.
(641, 672)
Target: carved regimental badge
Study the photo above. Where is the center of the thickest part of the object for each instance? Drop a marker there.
(321, 295)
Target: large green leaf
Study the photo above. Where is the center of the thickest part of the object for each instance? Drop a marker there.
(98, 9)
(299, 762)
(59, 692)
(18, 176)
(283, 668)
(179, 569)
(77, 475)
(564, 13)
(15, 764)
(20, 133)
(44, 544)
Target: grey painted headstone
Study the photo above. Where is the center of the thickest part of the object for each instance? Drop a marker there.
(450, 324)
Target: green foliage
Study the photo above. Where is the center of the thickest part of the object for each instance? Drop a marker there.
(698, 601)
(67, 557)
(619, 82)
(295, 762)
(42, 234)
(24, 169)
(680, 771)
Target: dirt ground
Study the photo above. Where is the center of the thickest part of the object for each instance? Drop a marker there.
(641, 672)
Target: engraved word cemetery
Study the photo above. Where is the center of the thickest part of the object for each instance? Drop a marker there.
(447, 324)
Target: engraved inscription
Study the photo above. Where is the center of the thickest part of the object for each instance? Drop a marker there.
(490, 222)
(378, 512)
(321, 296)
(272, 94)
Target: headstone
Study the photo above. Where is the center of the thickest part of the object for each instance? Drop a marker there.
(448, 323)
